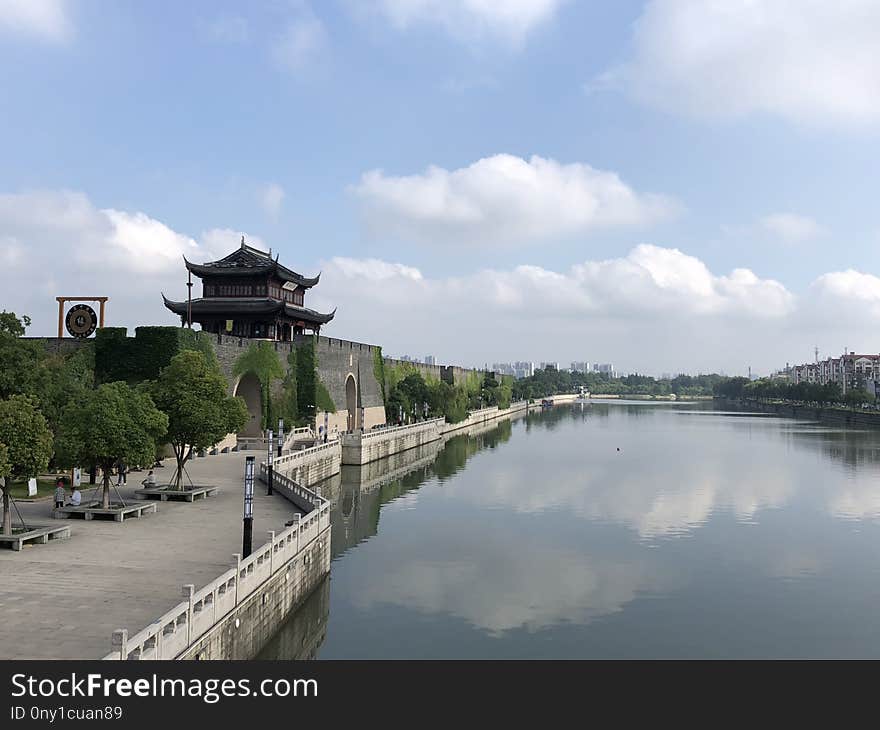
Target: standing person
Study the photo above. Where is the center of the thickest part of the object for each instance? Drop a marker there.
(59, 493)
(120, 468)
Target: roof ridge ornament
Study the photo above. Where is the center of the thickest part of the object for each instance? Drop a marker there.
(242, 240)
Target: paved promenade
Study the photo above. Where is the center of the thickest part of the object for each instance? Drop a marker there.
(62, 600)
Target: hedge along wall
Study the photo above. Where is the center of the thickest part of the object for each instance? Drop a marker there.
(139, 358)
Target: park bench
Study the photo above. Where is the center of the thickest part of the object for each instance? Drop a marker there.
(164, 494)
(119, 514)
(35, 534)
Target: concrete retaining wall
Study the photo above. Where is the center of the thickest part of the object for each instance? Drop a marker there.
(362, 448)
(839, 416)
(243, 632)
(310, 466)
(485, 415)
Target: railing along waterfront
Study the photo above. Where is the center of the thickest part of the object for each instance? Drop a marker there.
(179, 628)
(294, 491)
(398, 430)
(303, 454)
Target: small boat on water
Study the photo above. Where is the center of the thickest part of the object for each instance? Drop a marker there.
(546, 403)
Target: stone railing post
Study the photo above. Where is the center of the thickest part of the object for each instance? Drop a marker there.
(237, 557)
(188, 590)
(120, 641)
(297, 522)
(271, 552)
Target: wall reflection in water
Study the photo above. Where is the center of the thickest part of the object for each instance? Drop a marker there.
(357, 495)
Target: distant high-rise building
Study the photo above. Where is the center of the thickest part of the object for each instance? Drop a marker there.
(580, 367)
(503, 368)
(550, 366)
(429, 360)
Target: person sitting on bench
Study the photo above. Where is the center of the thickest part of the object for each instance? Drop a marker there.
(150, 481)
(75, 498)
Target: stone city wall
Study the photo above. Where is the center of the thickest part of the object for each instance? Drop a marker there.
(433, 372)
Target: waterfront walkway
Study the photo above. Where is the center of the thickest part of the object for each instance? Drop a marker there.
(62, 600)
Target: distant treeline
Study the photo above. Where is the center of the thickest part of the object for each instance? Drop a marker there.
(774, 389)
(550, 382)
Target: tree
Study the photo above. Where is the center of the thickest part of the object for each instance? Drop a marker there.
(28, 444)
(11, 324)
(68, 377)
(21, 361)
(193, 395)
(5, 473)
(111, 423)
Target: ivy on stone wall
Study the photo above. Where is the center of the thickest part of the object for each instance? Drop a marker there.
(142, 357)
(379, 370)
(262, 361)
(287, 408)
(306, 381)
(323, 401)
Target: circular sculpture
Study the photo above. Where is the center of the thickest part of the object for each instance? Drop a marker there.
(81, 321)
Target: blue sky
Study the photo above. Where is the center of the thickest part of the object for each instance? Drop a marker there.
(532, 179)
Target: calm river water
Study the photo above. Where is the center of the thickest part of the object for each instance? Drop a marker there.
(607, 530)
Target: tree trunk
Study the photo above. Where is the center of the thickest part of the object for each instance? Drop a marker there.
(180, 453)
(105, 497)
(181, 460)
(7, 515)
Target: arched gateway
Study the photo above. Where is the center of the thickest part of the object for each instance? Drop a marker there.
(251, 391)
(351, 402)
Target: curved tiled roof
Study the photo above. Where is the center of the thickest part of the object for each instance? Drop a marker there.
(247, 305)
(249, 261)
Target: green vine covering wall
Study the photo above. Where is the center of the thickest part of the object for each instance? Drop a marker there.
(306, 381)
(288, 407)
(379, 371)
(139, 358)
(261, 360)
(323, 401)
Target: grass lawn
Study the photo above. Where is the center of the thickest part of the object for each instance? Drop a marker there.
(45, 488)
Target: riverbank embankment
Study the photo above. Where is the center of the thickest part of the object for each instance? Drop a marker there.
(826, 414)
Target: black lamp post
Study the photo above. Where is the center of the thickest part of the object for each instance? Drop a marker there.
(280, 435)
(269, 465)
(248, 522)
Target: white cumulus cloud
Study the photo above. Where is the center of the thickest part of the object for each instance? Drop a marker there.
(59, 243)
(503, 199)
(48, 19)
(271, 198)
(790, 227)
(510, 20)
(655, 308)
(807, 61)
(301, 42)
